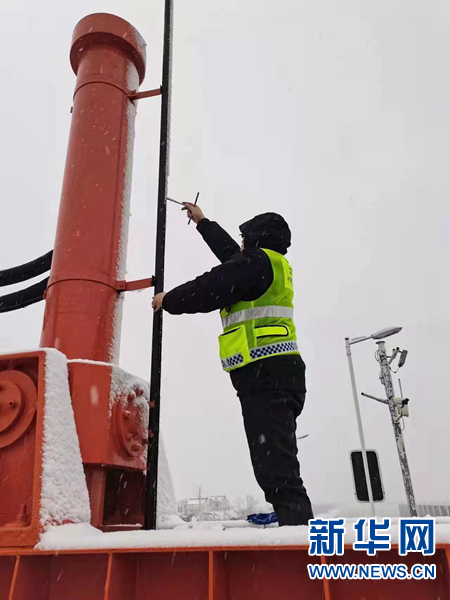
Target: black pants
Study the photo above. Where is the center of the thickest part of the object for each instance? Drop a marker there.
(270, 410)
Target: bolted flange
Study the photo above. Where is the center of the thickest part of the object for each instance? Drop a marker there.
(18, 397)
(129, 430)
(11, 404)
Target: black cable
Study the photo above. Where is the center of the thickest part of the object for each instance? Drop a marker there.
(23, 298)
(26, 271)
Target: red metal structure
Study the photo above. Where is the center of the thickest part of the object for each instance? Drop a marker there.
(82, 320)
(204, 574)
(82, 315)
(83, 299)
(83, 303)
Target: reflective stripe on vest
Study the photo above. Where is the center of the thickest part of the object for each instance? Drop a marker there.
(262, 351)
(260, 312)
(264, 327)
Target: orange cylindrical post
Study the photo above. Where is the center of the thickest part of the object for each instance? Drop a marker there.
(82, 315)
(83, 304)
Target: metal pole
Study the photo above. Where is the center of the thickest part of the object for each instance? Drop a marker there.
(360, 427)
(155, 376)
(395, 418)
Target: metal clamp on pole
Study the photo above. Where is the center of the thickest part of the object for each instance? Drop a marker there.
(137, 284)
(148, 94)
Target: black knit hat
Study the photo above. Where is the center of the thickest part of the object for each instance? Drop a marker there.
(267, 231)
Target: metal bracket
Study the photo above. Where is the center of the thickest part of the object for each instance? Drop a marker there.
(383, 401)
(140, 95)
(393, 355)
(119, 286)
(401, 404)
(137, 284)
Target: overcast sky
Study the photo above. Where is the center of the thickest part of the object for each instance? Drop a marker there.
(334, 114)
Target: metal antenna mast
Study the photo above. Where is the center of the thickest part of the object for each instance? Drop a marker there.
(155, 374)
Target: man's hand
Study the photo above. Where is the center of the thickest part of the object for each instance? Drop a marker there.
(194, 212)
(157, 301)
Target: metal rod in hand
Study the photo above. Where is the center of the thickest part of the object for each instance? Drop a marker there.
(175, 201)
(360, 427)
(151, 495)
(395, 418)
(195, 204)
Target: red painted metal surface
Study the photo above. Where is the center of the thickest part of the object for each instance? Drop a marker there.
(18, 396)
(82, 316)
(22, 378)
(82, 319)
(206, 574)
(113, 443)
(83, 305)
(110, 430)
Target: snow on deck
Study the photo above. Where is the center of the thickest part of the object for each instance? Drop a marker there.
(65, 497)
(201, 535)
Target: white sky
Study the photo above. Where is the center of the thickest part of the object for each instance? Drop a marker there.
(334, 114)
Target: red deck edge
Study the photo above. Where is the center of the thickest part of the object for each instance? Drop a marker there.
(33, 551)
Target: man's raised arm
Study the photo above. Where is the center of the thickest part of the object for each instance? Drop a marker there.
(219, 241)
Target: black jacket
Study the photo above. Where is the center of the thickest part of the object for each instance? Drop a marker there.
(243, 275)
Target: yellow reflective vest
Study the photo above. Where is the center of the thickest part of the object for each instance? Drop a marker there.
(264, 327)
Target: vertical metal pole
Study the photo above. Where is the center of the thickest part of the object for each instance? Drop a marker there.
(360, 427)
(395, 418)
(155, 376)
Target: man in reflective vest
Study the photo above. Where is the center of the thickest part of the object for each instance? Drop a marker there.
(253, 288)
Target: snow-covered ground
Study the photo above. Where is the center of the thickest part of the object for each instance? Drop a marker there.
(201, 534)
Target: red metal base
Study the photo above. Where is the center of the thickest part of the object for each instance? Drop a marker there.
(22, 385)
(259, 573)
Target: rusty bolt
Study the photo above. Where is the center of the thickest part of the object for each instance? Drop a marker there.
(131, 396)
(152, 404)
(139, 392)
(126, 414)
(136, 447)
